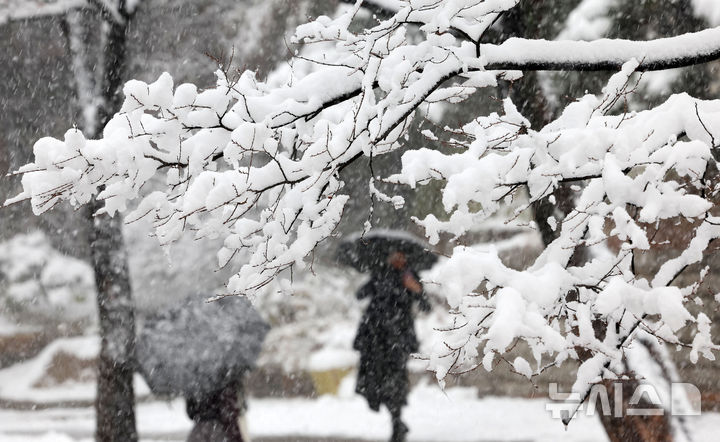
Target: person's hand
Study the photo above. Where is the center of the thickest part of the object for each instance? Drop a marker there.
(410, 283)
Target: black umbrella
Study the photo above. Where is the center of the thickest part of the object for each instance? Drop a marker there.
(199, 347)
(369, 252)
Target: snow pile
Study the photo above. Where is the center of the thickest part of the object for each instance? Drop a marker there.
(9, 327)
(37, 279)
(28, 381)
(47, 437)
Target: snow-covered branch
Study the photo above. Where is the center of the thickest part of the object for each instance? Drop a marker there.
(554, 306)
(565, 55)
(13, 10)
(112, 10)
(603, 55)
(16, 10)
(383, 8)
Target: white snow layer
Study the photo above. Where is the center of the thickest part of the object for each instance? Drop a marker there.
(454, 416)
(526, 52)
(21, 382)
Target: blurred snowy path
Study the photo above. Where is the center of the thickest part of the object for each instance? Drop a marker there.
(457, 415)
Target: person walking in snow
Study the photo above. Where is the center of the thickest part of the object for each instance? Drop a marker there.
(386, 337)
(218, 415)
(202, 351)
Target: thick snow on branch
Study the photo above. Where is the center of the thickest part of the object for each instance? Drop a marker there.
(605, 54)
(111, 9)
(11, 10)
(384, 7)
(228, 152)
(258, 164)
(626, 163)
(14, 10)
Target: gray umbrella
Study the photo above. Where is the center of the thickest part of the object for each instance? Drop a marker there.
(198, 347)
(369, 252)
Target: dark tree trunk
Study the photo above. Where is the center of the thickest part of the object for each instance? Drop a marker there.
(527, 21)
(530, 21)
(628, 428)
(115, 402)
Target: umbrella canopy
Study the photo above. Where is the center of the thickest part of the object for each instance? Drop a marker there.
(369, 252)
(199, 347)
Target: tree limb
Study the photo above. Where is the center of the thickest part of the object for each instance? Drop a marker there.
(381, 9)
(603, 55)
(109, 11)
(19, 10)
(600, 55)
(24, 10)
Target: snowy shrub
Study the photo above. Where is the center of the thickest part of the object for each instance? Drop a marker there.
(37, 279)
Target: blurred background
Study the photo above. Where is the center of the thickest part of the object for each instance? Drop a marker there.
(48, 324)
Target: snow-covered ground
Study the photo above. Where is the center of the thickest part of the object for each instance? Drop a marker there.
(454, 415)
(432, 415)
(24, 381)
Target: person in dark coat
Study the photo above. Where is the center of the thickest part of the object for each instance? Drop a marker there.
(386, 337)
(217, 415)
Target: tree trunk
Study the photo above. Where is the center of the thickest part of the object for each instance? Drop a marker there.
(627, 428)
(529, 98)
(115, 401)
(530, 21)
